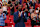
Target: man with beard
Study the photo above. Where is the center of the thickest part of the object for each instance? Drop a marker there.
(19, 17)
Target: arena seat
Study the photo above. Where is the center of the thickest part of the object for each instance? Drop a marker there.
(0, 26)
(11, 17)
(7, 21)
(7, 26)
(7, 17)
(36, 26)
(28, 22)
(27, 26)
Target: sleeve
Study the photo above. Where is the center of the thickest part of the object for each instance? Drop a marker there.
(5, 17)
(16, 18)
(25, 18)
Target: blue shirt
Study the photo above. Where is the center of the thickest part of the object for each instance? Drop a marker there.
(19, 21)
(2, 20)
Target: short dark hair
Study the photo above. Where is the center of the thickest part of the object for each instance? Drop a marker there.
(9, 2)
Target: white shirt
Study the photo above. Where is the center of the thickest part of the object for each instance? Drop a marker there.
(31, 10)
(4, 8)
(20, 12)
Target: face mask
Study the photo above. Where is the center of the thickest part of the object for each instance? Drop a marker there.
(37, 11)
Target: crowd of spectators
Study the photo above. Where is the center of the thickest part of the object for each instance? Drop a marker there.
(31, 7)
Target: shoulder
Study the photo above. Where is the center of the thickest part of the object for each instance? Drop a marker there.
(14, 13)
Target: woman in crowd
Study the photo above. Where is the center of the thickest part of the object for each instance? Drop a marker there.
(33, 18)
(31, 10)
(4, 7)
(2, 18)
(39, 18)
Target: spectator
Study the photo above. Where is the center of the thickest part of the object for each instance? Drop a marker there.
(26, 13)
(4, 9)
(22, 9)
(2, 18)
(12, 7)
(9, 3)
(33, 4)
(19, 18)
(33, 18)
(31, 10)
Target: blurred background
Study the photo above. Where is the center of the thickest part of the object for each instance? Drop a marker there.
(10, 6)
